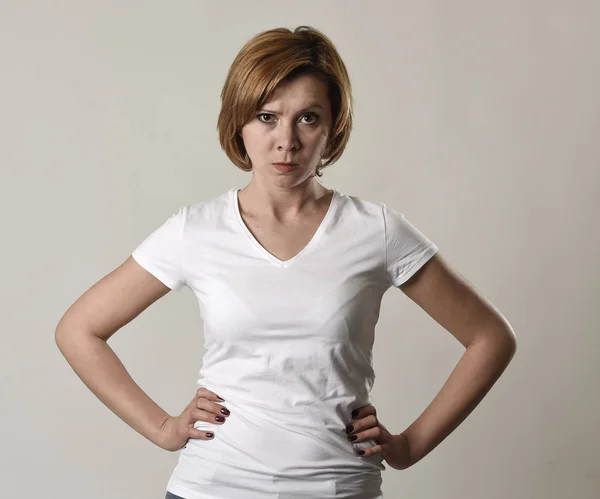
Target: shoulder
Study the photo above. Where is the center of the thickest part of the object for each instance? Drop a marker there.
(209, 208)
(361, 205)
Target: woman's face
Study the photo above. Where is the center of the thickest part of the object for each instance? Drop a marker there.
(293, 126)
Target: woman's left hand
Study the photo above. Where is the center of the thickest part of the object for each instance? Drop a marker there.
(366, 426)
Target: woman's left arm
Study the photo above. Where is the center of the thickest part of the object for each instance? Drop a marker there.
(490, 346)
(487, 336)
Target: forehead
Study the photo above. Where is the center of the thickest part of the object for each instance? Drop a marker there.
(303, 90)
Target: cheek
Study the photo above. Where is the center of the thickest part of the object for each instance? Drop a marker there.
(253, 140)
(324, 135)
(320, 140)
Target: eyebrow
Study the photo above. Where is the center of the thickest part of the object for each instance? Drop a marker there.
(312, 106)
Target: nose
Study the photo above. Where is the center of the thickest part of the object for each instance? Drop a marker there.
(287, 139)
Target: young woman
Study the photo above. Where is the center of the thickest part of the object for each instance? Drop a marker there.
(289, 276)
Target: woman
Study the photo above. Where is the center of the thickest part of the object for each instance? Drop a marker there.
(289, 277)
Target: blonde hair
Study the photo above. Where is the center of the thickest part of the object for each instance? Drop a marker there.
(266, 60)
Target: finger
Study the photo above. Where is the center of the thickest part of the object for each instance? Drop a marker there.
(207, 394)
(215, 411)
(369, 451)
(362, 424)
(368, 410)
(211, 407)
(203, 435)
(363, 411)
(356, 413)
(209, 417)
(370, 434)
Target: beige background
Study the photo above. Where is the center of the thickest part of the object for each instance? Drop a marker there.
(480, 121)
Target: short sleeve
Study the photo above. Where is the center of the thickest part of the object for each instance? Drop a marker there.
(407, 248)
(161, 253)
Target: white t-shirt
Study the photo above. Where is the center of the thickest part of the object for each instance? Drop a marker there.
(288, 344)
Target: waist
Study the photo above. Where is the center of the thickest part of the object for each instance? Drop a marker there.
(304, 439)
(298, 401)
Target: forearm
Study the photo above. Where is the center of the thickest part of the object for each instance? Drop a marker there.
(478, 369)
(98, 366)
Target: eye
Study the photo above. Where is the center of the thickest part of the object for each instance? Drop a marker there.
(314, 116)
(263, 114)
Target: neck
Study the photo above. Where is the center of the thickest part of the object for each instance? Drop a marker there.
(281, 203)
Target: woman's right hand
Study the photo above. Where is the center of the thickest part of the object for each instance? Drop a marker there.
(176, 430)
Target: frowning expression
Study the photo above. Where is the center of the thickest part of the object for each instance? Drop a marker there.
(293, 126)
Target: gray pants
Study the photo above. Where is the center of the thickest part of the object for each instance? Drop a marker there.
(172, 496)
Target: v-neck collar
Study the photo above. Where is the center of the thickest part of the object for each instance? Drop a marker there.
(316, 236)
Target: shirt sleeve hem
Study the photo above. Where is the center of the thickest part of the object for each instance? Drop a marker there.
(428, 252)
(161, 276)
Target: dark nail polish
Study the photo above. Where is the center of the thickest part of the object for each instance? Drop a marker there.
(352, 438)
(210, 434)
(220, 418)
(354, 413)
(361, 452)
(225, 411)
(349, 428)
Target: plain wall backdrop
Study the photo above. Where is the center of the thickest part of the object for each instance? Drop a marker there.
(480, 121)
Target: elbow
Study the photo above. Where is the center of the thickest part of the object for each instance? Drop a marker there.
(70, 339)
(63, 333)
(508, 346)
(509, 339)
(502, 340)
(63, 338)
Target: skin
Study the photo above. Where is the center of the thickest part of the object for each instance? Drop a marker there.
(439, 290)
(286, 129)
(290, 128)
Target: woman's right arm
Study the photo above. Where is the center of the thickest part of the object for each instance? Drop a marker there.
(82, 334)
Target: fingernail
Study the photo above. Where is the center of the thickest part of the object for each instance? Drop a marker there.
(349, 428)
(220, 418)
(354, 413)
(221, 399)
(210, 434)
(361, 452)
(352, 438)
(225, 411)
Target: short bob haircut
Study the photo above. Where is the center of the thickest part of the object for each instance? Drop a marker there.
(269, 58)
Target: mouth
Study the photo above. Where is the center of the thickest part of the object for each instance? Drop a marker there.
(285, 167)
